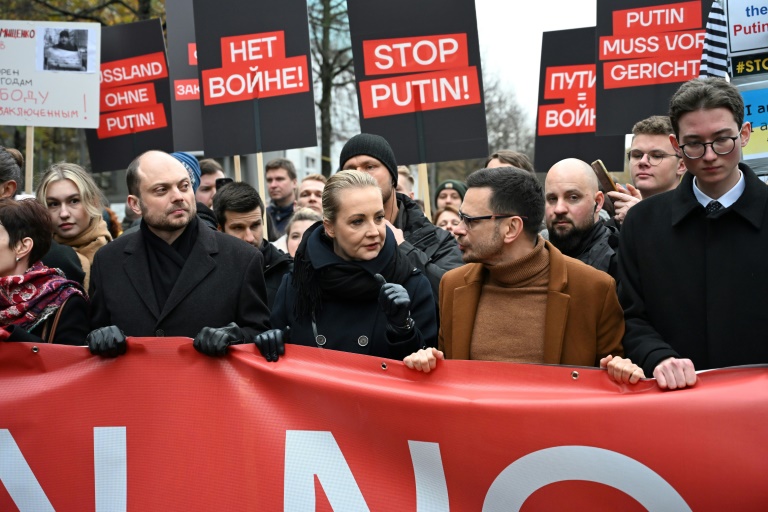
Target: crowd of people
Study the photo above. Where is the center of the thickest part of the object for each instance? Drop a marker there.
(508, 269)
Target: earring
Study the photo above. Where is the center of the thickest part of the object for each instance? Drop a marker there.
(17, 260)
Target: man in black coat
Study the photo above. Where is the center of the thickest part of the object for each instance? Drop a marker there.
(432, 250)
(239, 212)
(573, 201)
(692, 261)
(175, 276)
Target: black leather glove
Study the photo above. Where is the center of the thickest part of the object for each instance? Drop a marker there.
(271, 343)
(107, 341)
(213, 341)
(395, 303)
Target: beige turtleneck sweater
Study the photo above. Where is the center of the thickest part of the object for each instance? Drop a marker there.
(509, 325)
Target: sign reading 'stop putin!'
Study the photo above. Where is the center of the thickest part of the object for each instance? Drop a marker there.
(418, 77)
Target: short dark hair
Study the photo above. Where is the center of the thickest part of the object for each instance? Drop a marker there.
(27, 218)
(11, 161)
(210, 166)
(513, 158)
(281, 163)
(513, 190)
(132, 177)
(238, 197)
(705, 93)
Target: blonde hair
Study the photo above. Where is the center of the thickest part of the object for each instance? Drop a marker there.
(343, 180)
(90, 195)
(302, 214)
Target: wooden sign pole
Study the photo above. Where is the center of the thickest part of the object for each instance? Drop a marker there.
(29, 159)
(262, 182)
(238, 174)
(424, 190)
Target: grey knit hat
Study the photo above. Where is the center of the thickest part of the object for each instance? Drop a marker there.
(370, 145)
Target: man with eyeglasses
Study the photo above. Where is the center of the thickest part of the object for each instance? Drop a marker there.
(572, 214)
(692, 263)
(519, 299)
(654, 166)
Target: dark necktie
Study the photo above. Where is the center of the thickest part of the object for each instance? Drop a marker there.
(713, 207)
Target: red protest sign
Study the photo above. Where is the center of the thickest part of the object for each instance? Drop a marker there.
(415, 54)
(451, 84)
(660, 70)
(576, 114)
(123, 122)
(240, 83)
(130, 96)
(252, 48)
(134, 70)
(135, 112)
(185, 90)
(254, 66)
(657, 18)
(192, 54)
(646, 49)
(418, 92)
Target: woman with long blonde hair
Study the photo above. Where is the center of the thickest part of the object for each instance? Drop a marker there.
(74, 203)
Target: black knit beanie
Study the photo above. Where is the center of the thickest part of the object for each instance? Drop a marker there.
(370, 145)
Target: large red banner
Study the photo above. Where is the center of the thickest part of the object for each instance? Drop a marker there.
(166, 428)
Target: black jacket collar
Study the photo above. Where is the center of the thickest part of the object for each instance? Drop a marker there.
(751, 205)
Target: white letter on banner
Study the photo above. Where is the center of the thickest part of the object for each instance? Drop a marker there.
(110, 463)
(18, 479)
(532, 472)
(309, 453)
(431, 488)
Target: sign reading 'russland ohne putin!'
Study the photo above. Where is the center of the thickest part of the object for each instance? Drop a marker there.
(255, 66)
(430, 72)
(128, 100)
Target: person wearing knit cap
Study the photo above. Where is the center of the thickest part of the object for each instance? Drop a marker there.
(428, 248)
(519, 299)
(192, 166)
(190, 163)
(450, 193)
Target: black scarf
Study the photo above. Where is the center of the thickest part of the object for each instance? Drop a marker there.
(166, 261)
(320, 274)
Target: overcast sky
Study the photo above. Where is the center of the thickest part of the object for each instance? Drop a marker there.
(510, 39)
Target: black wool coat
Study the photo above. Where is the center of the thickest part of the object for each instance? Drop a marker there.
(222, 281)
(694, 286)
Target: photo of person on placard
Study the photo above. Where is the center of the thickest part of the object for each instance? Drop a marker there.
(65, 50)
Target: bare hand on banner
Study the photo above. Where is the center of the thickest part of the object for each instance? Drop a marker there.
(424, 360)
(674, 373)
(622, 370)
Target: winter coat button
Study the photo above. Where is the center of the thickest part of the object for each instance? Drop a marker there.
(362, 341)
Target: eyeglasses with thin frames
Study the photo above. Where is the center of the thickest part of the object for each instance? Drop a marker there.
(721, 146)
(470, 221)
(654, 157)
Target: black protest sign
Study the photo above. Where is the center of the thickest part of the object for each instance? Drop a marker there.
(135, 107)
(645, 50)
(565, 126)
(255, 76)
(419, 81)
(182, 67)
